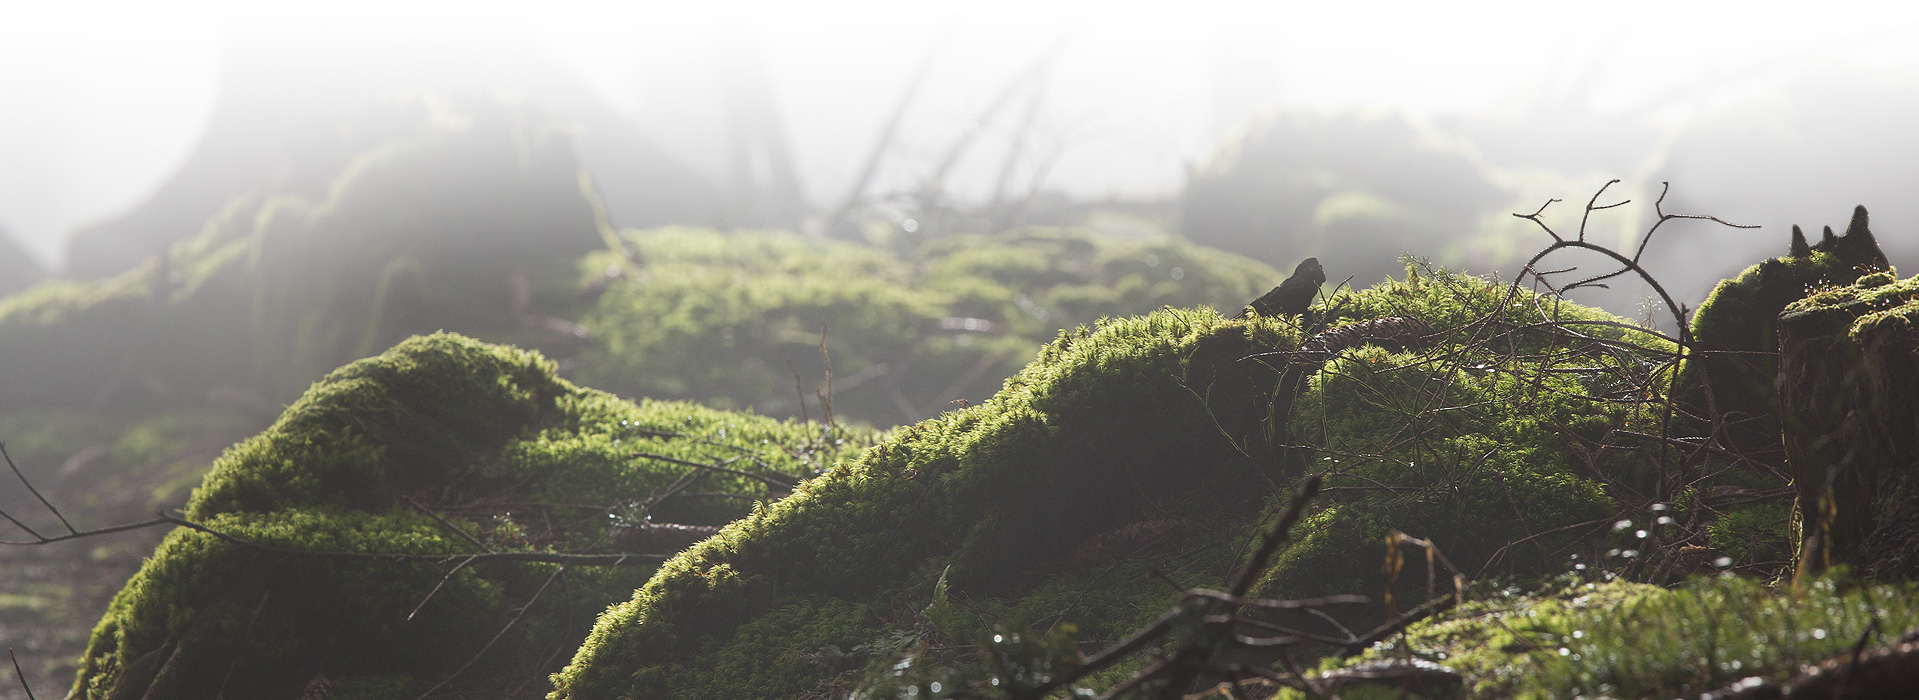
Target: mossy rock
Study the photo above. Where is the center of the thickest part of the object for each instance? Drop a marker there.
(1850, 387)
(1144, 443)
(391, 455)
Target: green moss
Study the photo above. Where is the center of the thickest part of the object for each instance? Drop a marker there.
(1737, 329)
(1848, 389)
(1136, 428)
(736, 319)
(1104, 424)
(1628, 640)
(486, 437)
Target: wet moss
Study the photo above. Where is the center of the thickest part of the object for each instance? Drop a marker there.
(371, 460)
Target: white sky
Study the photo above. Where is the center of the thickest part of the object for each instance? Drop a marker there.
(99, 101)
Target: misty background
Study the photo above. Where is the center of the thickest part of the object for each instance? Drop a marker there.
(127, 125)
(207, 206)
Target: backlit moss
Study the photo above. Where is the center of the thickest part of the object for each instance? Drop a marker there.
(1121, 444)
(484, 437)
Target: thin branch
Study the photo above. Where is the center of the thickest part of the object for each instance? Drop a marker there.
(762, 478)
(1307, 490)
(450, 526)
(83, 533)
(36, 494)
(436, 587)
(20, 674)
(498, 635)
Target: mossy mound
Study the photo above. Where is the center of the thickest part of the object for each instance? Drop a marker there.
(465, 221)
(1626, 640)
(1141, 444)
(736, 319)
(438, 447)
(1849, 361)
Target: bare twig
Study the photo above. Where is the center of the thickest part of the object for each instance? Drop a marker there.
(36, 494)
(762, 478)
(496, 637)
(1249, 575)
(17, 673)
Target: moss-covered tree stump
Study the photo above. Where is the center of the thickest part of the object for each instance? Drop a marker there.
(1849, 359)
(1731, 387)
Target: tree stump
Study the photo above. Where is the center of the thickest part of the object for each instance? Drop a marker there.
(1849, 390)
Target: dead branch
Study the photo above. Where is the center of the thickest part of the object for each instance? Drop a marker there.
(17, 673)
(496, 636)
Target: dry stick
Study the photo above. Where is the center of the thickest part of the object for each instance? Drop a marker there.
(450, 526)
(799, 389)
(36, 494)
(498, 635)
(1304, 634)
(83, 533)
(1307, 490)
(935, 184)
(1437, 604)
(1141, 637)
(826, 397)
(762, 478)
(888, 133)
(20, 674)
(980, 369)
(436, 587)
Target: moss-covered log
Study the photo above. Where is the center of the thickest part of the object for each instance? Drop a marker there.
(1849, 358)
(439, 448)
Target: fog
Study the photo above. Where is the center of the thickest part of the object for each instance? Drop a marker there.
(138, 121)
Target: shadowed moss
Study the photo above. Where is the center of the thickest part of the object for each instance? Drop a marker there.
(1849, 381)
(484, 437)
(1737, 328)
(1106, 424)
